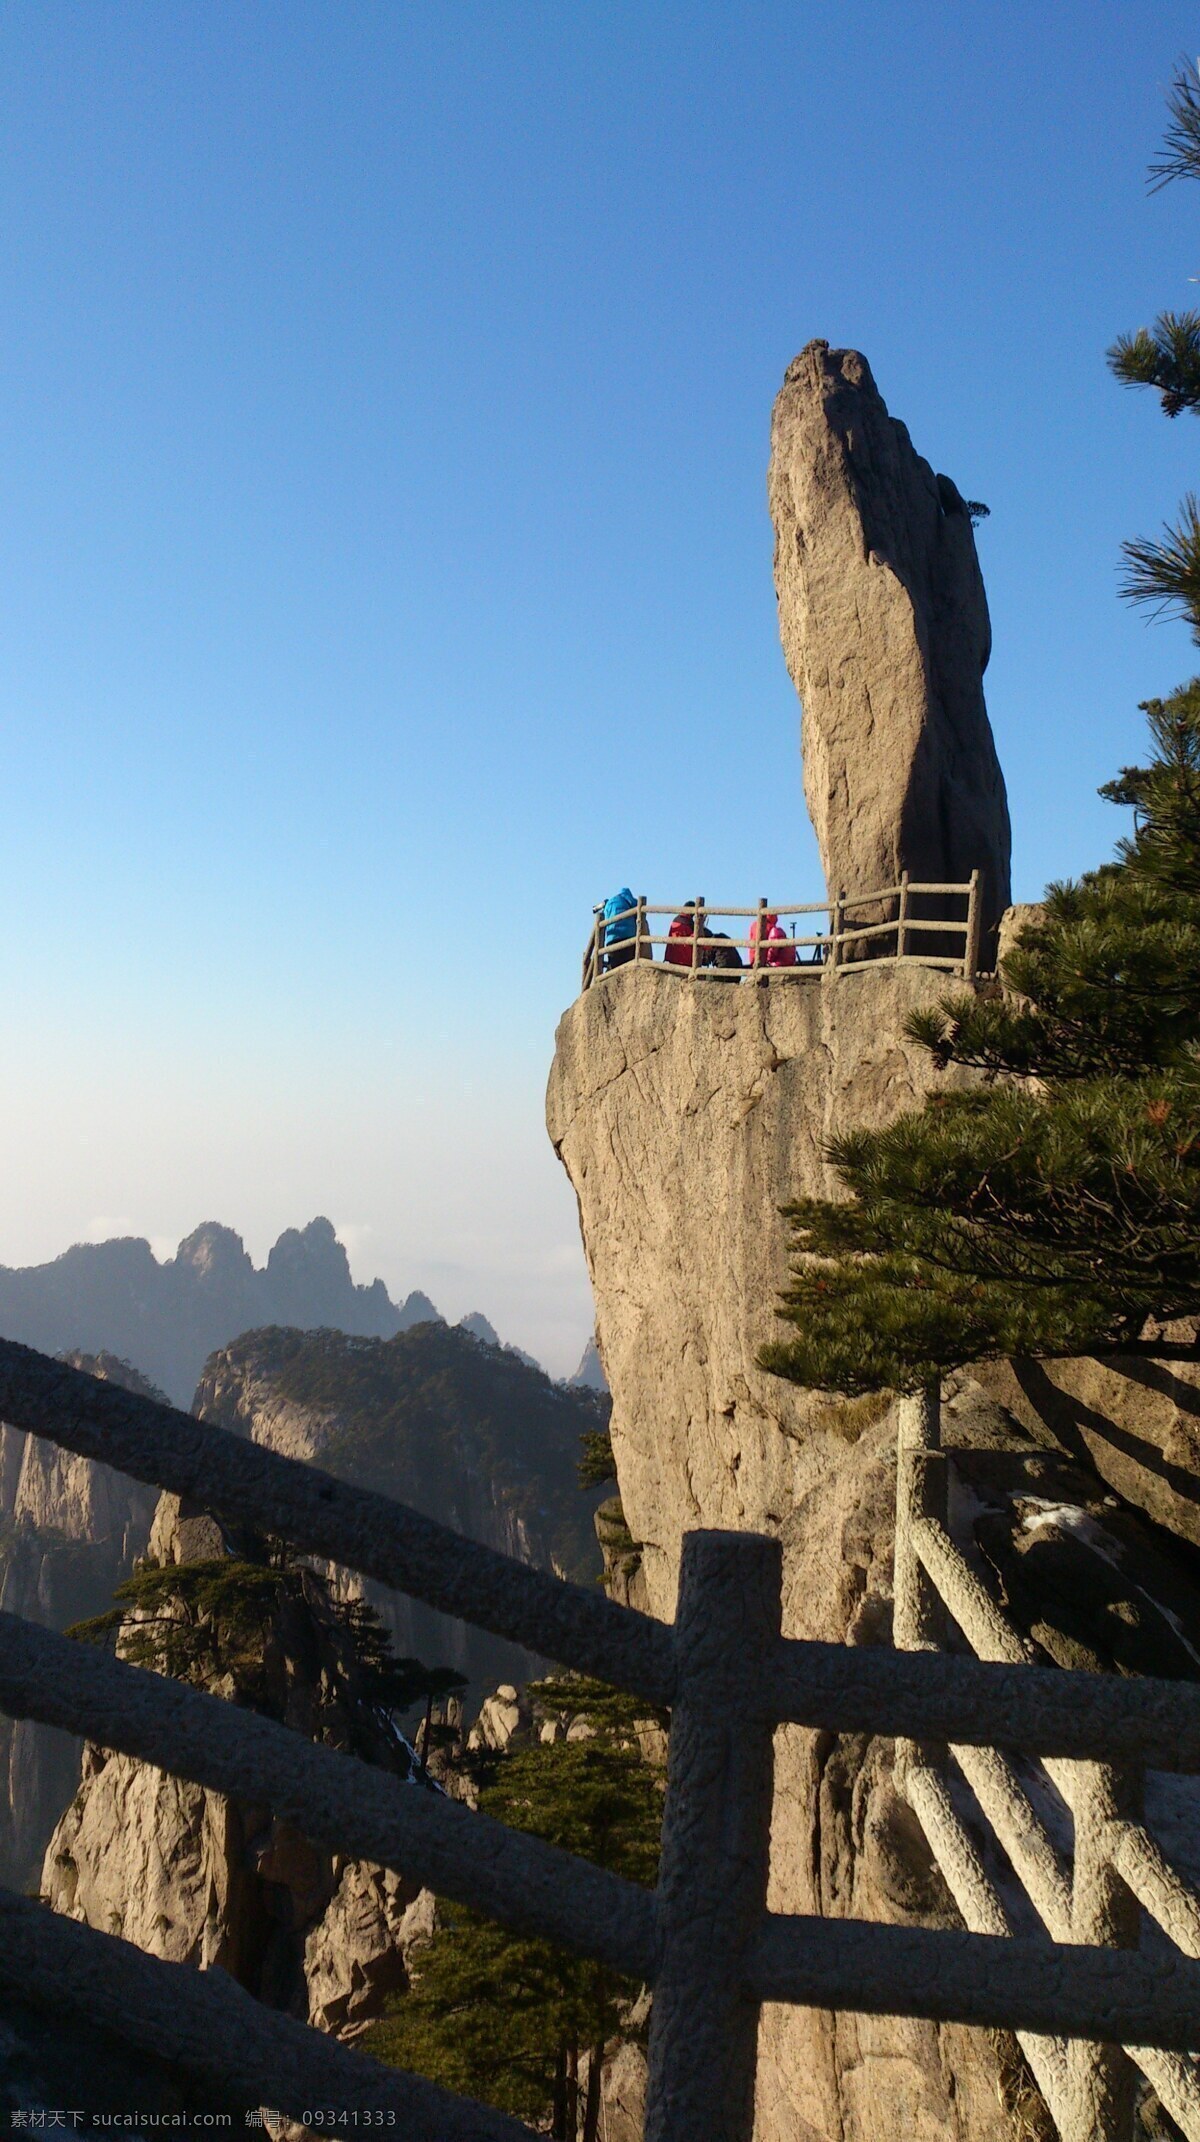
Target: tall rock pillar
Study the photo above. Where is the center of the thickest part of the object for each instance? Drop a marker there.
(885, 630)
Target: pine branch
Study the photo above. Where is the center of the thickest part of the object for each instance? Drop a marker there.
(1179, 156)
(1167, 573)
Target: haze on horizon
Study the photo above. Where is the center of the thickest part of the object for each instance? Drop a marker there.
(386, 563)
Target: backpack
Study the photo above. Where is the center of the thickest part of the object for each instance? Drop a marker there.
(719, 952)
(616, 932)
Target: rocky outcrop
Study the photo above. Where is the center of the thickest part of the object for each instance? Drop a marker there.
(70, 1530)
(362, 1948)
(194, 1877)
(480, 1327)
(687, 1117)
(465, 1430)
(885, 630)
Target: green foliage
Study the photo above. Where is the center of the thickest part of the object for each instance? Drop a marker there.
(596, 1465)
(192, 1621)
(1056, 1208)
(503, 2018)
(1166, 572)
(395, 1683)
(1165, 849)
(616, 1721)
(1179, 156)
(260, 1627)
(617, 1544)
(485, 2019)
(1166, 357)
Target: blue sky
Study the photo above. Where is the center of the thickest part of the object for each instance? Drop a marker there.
(384, 559)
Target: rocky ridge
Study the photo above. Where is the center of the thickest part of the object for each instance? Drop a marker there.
(169, 1317)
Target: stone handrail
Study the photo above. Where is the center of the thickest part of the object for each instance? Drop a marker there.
(1118, 1867)
(955, 947)
(703, 1940)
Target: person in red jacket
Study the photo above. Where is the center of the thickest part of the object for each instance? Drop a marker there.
(682, 936)
(777, 949)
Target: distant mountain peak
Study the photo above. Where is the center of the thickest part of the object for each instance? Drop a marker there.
(589, 1376)
(212, 1249)
(416, 1308)
(479, 1327)
(310, 1250)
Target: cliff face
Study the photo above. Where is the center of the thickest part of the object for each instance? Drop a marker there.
(685, 1116)
(69, 1532)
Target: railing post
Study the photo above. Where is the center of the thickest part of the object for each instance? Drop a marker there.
(902, 915)
(712, 1884)
(918, 1619)
(920, 1492)
(974, 922)
(640, 934)
(1101, 2079)
(836, 922)
(697, 912)
(759, 934)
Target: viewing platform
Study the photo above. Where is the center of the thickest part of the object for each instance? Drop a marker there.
(908, 924)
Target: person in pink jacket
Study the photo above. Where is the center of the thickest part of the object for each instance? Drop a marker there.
(777, 947)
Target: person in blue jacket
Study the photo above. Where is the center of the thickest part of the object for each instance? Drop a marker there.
(619, 916)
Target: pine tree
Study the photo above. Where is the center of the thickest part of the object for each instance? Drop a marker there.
(1053, 1206)
(505, 2018)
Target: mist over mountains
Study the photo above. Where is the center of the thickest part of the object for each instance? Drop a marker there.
(167, 1318)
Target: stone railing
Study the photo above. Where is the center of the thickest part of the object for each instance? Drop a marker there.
(906, 924)
(1116, 1870)
(703, 1940)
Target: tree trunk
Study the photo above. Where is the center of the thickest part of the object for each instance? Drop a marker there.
(558, 2124)
(572, 2126)
(591, 2110)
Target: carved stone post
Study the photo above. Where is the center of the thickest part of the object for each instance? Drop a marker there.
(715, 1846)
(1101, 2079)
(918, 1618)
(920, 1492)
